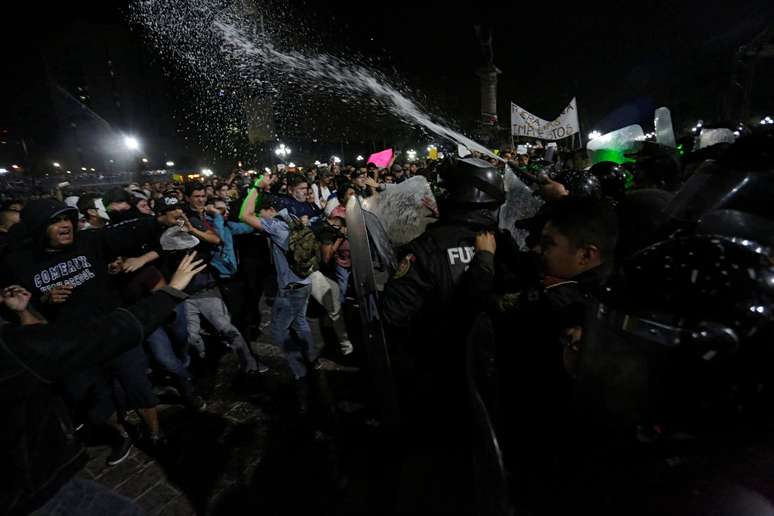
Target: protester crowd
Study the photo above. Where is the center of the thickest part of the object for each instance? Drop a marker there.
(119, 292)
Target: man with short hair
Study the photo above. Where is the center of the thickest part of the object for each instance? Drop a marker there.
(576, 251)
(296, 201)
(93, 211)
(293, 291)
(206, 300)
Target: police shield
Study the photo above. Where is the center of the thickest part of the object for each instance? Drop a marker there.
(490, 479)
(373, 341)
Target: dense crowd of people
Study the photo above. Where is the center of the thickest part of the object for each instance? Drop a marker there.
(101, 288)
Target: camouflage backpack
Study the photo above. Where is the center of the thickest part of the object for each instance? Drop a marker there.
(303, 252)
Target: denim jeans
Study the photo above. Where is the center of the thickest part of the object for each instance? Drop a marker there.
(162, 352)
(342, 278)
(289, 311)
(211, 306)
(79, 497)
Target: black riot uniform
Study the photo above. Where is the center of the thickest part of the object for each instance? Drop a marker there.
(428, 308)
(428, 281)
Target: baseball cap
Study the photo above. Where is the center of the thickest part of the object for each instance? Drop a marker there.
(116, 195)
(166, 204)
(91, 202)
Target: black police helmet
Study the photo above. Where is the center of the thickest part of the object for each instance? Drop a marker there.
(580, 183)
(472, 182)
(612, 178)
(682, 334)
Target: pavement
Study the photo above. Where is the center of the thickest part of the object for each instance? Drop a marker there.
(215, 457)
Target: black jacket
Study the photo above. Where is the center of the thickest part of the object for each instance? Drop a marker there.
(428, 308)
(82, 264)
(38, 451)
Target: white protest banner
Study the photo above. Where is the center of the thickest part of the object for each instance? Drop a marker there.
(524, 123)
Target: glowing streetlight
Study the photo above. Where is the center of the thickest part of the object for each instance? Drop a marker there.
(3, 170)
(317, 163)
(206, 172)
(84, 169)
(15, 167)
(411, 154)
(359, 158)
(267, 170)
(170, 163)
(92, 170)
(336, 160)
(144, 160)
(766, 120)
(282, 151)
(594, 134)
(131, 143)
(57, 165)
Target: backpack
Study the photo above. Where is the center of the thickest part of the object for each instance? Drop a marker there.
(303, 252)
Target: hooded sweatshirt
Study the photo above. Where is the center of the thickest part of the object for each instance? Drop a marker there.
(82, 265)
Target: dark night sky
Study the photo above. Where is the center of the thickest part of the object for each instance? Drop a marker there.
(619, 65)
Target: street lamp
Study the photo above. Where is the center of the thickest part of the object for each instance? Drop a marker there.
(282, 151)
(359, 157)
(131, 143)
(57, 165)
(83, 168)
(594, 134)
(15, 167)
(292, 165)
(206, 172)
(170, 163)
(317, 163)
(3, 170)
(411, 154)
(336, 160)
(144, 160)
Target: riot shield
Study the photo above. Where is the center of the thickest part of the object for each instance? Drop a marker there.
(373, 339)
(491, 485)
(665, 134)
(401, 211)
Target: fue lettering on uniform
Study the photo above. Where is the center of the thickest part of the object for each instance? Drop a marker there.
(461, 254)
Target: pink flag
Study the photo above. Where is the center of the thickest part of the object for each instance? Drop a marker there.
(381, 159)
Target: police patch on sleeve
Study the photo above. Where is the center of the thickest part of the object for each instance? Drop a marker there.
(404, 266)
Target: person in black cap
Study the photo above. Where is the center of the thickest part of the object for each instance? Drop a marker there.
(399, 173)
(117, 199)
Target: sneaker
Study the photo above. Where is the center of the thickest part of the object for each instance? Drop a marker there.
(346, 347)
(195, 403)
(119, 452)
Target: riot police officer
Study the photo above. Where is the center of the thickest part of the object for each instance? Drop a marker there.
(428, 307)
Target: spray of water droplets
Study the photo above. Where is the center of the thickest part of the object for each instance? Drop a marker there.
(232, 52)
